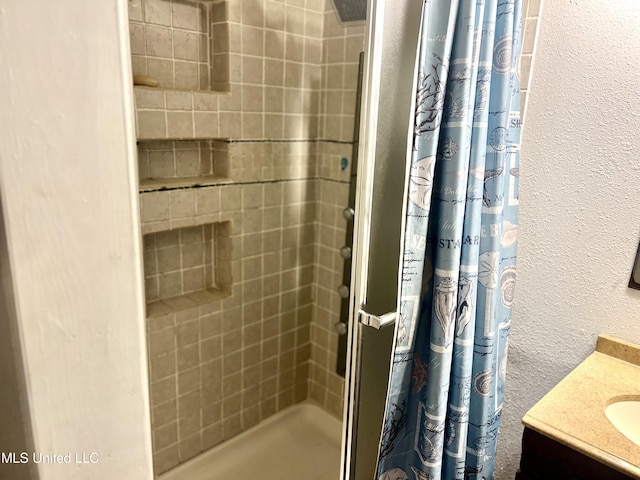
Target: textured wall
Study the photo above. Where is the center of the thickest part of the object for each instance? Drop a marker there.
(71, 225)
(579, 219)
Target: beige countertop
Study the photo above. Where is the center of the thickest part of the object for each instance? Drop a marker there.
(573, 412)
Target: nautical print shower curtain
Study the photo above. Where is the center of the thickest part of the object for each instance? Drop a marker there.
(459, 250)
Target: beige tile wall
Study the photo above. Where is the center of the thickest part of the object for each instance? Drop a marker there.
(340, 52)
(341, 49)
(219, 367)
(531, 17)
(325, 386)
(272, 160)
(244, 357)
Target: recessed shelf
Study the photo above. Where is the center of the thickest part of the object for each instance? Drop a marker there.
(184, 44)
(187, 267)
(182, 163)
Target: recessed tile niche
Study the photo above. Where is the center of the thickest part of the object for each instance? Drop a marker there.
(182, 163)
(182, 44)
(187, 267)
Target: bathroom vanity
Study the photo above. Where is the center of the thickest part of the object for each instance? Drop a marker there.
(545, 458)
(570, 433)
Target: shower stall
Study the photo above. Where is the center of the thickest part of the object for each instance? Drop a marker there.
(244, 155)
(245, 112)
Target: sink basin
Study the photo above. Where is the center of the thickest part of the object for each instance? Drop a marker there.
(625, 416)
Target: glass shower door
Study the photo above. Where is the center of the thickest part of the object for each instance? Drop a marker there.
(392, 38)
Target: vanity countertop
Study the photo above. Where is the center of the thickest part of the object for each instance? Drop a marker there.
(573, 413)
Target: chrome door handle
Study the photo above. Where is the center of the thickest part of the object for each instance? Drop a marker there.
(376, 321)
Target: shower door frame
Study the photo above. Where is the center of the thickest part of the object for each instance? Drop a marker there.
(392, 35)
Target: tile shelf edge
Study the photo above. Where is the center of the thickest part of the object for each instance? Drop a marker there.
(172, 101)
(184, 139)
(178, 183)
(181, 90)
(175, 304)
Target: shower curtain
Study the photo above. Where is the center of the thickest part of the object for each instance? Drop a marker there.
(458, 267)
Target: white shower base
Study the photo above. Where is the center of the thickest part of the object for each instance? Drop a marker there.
(301, 442)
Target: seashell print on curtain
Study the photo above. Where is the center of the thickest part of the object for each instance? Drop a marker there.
(458, 269)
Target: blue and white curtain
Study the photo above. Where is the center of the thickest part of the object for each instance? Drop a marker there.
(459, 254)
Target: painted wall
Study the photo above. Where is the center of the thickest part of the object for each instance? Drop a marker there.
(579, 219)
(69, 199)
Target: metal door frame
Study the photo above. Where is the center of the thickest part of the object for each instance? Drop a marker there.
(386, 114)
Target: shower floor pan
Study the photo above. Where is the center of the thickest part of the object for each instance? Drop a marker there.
(301, 442)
